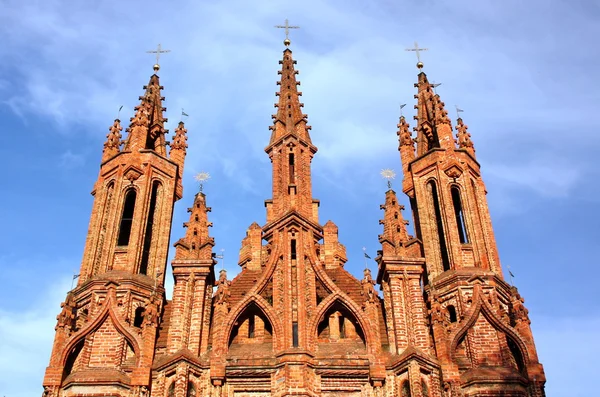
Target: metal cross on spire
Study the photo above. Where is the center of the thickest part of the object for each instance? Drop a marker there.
(416, 49)
(287, 28)
(158, 51)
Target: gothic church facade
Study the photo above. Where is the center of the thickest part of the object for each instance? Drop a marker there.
(293, 322)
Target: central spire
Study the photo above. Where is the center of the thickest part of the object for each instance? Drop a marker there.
(290, 149)
(289, 118)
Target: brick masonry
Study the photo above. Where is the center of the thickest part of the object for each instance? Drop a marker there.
(293, 321)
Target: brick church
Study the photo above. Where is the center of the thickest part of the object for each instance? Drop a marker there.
(294, 321)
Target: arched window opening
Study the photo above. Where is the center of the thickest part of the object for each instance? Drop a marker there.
(292, 167)
(424, 388)
(439, 225)
(195, 232)
(514, 349)
(452, 313)
(339, 325)
(149, 229)
(459, 215)
(70, 365)
(126, 219)
(415, 214)
(171, 390)
(293, 249)
(138, 318)
(191, 389)
(405, 388)
(196, 218)
(252, 333)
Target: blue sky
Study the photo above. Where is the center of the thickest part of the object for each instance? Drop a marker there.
(522, 71)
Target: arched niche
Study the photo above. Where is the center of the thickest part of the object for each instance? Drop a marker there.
(339, 332)
(251, 334)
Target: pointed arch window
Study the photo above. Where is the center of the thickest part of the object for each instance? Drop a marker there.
(149, 228)
(171, 390)
(459, 215)
(191, 389)
(439, 224)
(405, 388)
(127, 218)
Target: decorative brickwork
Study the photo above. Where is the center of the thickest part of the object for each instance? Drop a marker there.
(293, 322)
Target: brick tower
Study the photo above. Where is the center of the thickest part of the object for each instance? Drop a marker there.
(446, 300)
(293, 322)
(106, 332)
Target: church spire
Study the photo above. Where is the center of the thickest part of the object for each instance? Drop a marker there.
(434, 129)
(289, 118)
(146, 130)
(290, 149)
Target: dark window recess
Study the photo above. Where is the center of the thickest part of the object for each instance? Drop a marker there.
(292, 167)
(149, 228)
(415, 213)
(138, 320)
(295, 334)
(460, 216)
(251, 327)
(126, 219)
(293, 249)
(440, 226)
(452, 313)
(342, 327)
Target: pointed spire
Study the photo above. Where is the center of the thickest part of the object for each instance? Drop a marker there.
(289, 117)
(146, 130)
(464, 138)
(196, 244)
(179, 146)
(112, 146)
(395, 236)
(434, 129)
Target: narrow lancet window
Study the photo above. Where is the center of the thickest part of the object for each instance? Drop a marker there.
(126, 219)
(293, 249)
(149, 228)
(295, 334)
(459, 215)
(292, 168)
(439, 225)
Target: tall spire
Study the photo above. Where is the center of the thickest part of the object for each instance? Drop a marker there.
(433, 125)
(289, 118)
(290, 149)
(146, 130)
(178, 152)
(112, 146)
(197, 244)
